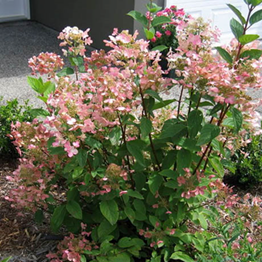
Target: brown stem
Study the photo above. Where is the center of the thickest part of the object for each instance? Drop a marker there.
(240, 46)
(179, 101)
(150, 136)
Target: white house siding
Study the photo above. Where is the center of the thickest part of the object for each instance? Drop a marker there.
(218, 12)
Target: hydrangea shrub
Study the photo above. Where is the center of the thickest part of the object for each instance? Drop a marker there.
(126, 171)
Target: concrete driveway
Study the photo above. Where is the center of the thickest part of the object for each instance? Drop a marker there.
(18, 42)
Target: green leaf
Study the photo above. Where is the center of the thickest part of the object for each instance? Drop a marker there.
(224, 54)
(255, 2)
(66, 71)
(184, 158)
(172, 129)
(237, 118)
(130, 213)
(236, 28)
(217, 165)
(39, 216)
(36, 84)
(182, 256)
(251, 54)
(81, 157)
(145, 126)
(208, 133)
(77, 61)
(125, 242)
(159, 48)
(134, 194)
(114, 136)
(49, 88)
(35, 112)
(140, 210)
(194, 122)
(149, 33)
(202, 221)
(238, 13)
(58, 218)
(138, 17)
(77, 172)
(109, 209)
(121, 257)
(83, 258)
(152, 7)
(154, 182)
(105, 228)
(153, 94)
(159, 20)
(74, 209)
(163, 103)
(245, 39)
(134, 148)
(6, 259)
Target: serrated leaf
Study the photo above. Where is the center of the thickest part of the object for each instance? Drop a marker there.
(238, 13)
(159, 20)
(81, 157)
(171, 129)
(74, 209)
(36, 84)
(208, 133)
(153, 94)
(130, 213)
(154, 182)
(217, 165)
(236, 28)
(224, 54)
(145, 126)
(194, 122)
(256, 17)
(202, 221)
(163, 103)
(105, 228)
(49, 87)
(58, 218)
(159, 48)
(138, 17)
(237, 118)
(184, 158)
(134, 194)
(35, 112)
(66, 71)
(182, 256)
(251, 54)
(245, 39)
(125, 242)
(77, 61)
(134, 148)
(109, 209)
(77, 172)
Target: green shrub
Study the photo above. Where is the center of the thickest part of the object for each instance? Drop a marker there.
(11, 112)
(247, 162)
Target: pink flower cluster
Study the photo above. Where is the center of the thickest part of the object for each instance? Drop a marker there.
(46, 63)
(71, 248)
(75, 39)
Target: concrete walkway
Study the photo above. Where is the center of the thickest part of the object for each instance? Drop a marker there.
(19, 41)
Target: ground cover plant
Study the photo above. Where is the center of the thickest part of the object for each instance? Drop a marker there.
(132, 176)
(10, 112)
